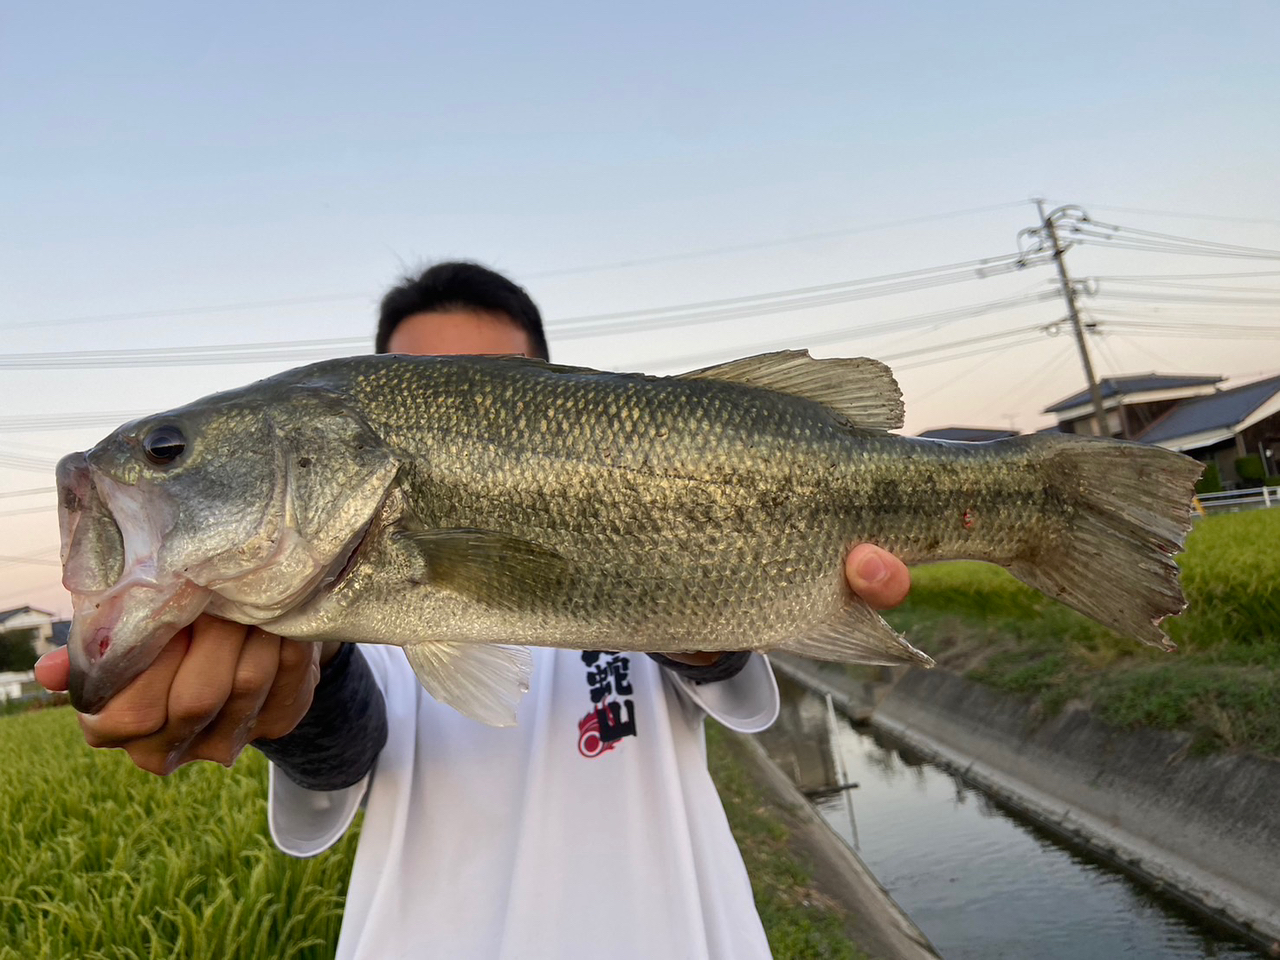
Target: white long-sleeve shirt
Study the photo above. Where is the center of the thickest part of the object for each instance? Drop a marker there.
(591, 829)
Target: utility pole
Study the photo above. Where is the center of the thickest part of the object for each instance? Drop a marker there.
(1069, 294)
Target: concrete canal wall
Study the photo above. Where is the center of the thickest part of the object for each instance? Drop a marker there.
(883, 930)
(1205, 829)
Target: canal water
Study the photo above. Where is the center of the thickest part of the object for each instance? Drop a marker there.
(980, 882)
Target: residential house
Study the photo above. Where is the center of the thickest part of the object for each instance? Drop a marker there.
(1224, 426)
(1190, 414)
(1131, 404)
(30, 618)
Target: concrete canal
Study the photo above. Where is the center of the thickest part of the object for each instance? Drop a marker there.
(979, 881)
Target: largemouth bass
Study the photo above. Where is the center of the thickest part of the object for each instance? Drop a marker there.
(464, 507)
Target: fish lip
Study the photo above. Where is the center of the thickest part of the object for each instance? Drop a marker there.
(82, 699)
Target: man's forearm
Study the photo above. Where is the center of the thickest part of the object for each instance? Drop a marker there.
(339, 739)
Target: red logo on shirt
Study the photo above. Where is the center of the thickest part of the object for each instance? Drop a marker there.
(590, 743)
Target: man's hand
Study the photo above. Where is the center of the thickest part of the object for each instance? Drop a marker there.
(215, 687)
(876, 575)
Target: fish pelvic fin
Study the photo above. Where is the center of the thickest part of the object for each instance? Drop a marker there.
(857, 634)
(863, 391)
(1115, 563)
(482, 681)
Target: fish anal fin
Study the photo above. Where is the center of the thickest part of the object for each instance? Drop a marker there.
(483, 681)
(860, 389)
(857, 634)
(500, 570)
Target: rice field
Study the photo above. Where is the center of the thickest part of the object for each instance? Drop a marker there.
(101, 861)
(1223, 683)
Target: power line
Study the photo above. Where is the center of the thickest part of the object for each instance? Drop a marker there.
(33, 561)
(31, 492)
(1181, 285)
(999, 348)
(945, 273)
(1149, 244)
(685, 314)
(845, 333)
(22, 511)
(765, 244)
(1140, 297)
(65, 421)
(236, 306)
(190, 311)
(962, 375)
(179, 356)
(1185, 276)
(19, 462)
(1189, 216)
(1197, 331)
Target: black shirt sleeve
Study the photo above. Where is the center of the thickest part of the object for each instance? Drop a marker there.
(342, 734)
(726, 668)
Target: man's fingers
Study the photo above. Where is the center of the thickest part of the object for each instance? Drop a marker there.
(53, 670)
(141, 708)
(205, 680)
(877, 576)
(290, 696)
(253, 679)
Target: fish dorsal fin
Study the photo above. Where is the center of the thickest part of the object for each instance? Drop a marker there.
(860, 389)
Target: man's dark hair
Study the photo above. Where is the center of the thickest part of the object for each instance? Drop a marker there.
(458, 285)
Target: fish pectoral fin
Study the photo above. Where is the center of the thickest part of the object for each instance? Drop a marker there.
(483, 681)
(856, 635)
(860, 389)
(497, 569)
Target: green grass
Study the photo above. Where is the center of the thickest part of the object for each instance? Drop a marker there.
(801, 923)
(1223, 684)
(100, 861)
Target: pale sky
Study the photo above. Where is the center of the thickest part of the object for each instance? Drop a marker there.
(163, 167)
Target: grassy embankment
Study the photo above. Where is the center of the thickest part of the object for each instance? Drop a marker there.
(99, 861)
(1223, 684)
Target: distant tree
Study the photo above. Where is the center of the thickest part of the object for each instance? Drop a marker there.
(17, 650)
(1250, 470)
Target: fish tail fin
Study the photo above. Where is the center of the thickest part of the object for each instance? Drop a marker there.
(1115, 562)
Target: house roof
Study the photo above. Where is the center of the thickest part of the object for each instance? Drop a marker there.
(8, 614)
(1127, 386)
(1219, 411)
(969, 434)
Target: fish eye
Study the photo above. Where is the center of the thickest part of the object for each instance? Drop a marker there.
(164, 445)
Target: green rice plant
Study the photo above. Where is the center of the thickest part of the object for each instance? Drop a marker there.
(100, 861)
(1223, 684)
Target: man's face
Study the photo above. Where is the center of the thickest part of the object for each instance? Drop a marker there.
(452, 332)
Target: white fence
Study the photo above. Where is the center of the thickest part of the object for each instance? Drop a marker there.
(11, 684)
(1233, 501)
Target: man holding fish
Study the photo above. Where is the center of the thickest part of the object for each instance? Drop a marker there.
(589, 828)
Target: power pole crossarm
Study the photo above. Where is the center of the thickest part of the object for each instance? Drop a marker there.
(1069, 294)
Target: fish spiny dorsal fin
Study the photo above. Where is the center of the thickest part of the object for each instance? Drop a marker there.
(860, 389)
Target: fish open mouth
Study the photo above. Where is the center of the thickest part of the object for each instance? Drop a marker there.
(123, 614)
